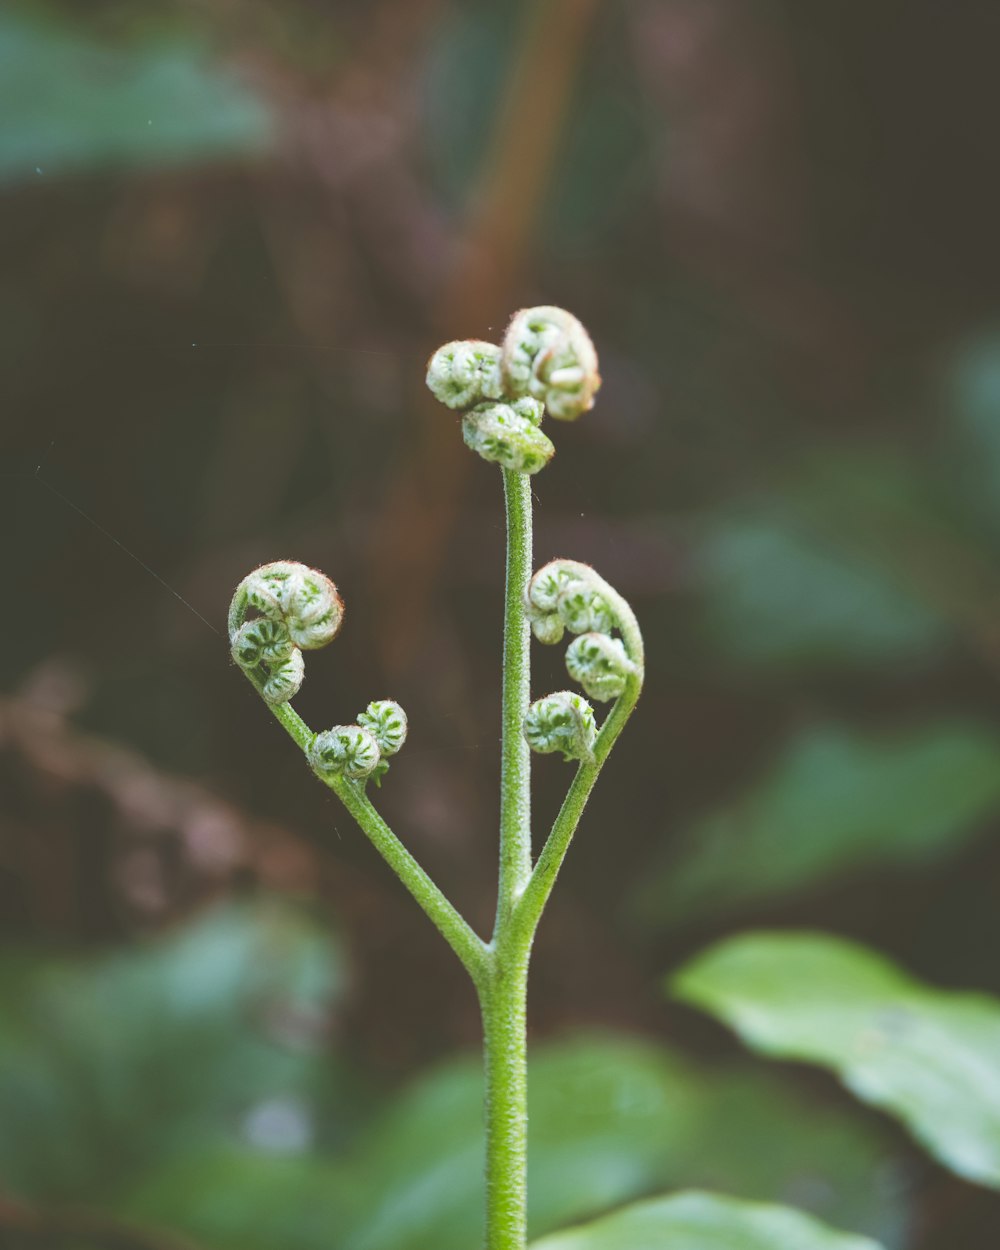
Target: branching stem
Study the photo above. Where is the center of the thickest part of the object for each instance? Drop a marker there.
(548, 352)
(467, 945)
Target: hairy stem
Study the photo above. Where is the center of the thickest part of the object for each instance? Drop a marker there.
(504, 1007)
(536, 894)
(515, 774)
(504, 999)
(467, 945)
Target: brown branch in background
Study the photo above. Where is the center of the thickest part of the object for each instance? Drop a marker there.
(422, 502)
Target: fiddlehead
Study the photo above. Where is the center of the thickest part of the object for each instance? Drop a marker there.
(563, 721)
(465, 373)
(599, 664)
(548, 355)
(344, 751)
(567, 595)
(386, 722)
(547, 363)
(507, 434)
(301, 610)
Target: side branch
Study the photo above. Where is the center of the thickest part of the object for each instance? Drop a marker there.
(467, 945)
(532, 902)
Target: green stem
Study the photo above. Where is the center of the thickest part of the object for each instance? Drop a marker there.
(515, 766)
(504, 1003)
(536, 894)
(467, 945)
(504, 999)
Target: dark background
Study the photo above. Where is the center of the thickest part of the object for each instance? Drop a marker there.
(231, 234)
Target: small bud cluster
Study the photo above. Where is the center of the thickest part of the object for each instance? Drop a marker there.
(508, 435)
(548, 354)
(546, 363)
(465, 373)
(360, 751)
(300, 611)
(561, 722)
(600, 665)
(566, 595)
(562, 596)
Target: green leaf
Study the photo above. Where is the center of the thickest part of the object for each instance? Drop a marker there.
(974, 392)
(697, 1221)
(70, 103)
(928, 1056)
(834, 802)
(849, 560)
(237, 1200)
(610, 1119)
(110, 1066)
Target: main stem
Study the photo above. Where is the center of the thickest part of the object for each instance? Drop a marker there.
(503, 998)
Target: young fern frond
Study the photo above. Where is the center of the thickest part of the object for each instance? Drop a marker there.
(546, 364)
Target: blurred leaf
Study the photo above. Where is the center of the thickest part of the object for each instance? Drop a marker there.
(461, 88)
(71, 103)
(853, 559)
(109, 1066)
(610, 1119)
(930, 1057)
(974, 385)
(834, 802)
(775, 594)
(236, 1200)
(696, 1221)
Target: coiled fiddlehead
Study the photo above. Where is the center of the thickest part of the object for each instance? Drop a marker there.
(344, 751)
(548, 355)
(600, 665)
(386, 722)
(465, 373)
(547, 363)
(563, 721)
(567, 595)
(508, 435)
(301, 610)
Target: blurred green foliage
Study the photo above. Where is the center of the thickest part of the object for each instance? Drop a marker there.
(834, 802)
(188, 1085)
(112, 1067)
(705, 1221)
(927, 1056)
(71, 103)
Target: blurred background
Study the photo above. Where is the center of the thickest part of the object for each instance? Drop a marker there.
(232, 232)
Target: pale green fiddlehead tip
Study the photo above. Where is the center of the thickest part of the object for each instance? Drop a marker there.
(284, 679)
(262, 641)
(563, 721)
(508, 435)
(305, 599)
(584, 610)
(600, 665)
(300, 610)
(386, 722)
(465, 373)
(560, 597)
(548, 355)
(344, 751)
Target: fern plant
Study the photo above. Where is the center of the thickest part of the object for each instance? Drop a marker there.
(546, 364)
